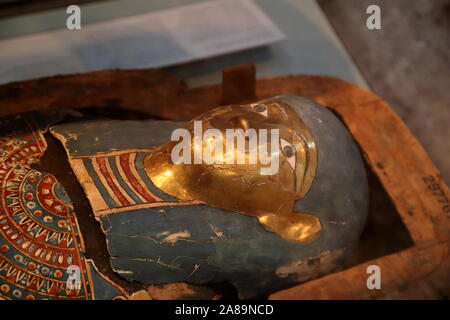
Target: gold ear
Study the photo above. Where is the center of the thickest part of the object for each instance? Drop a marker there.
(302, 227)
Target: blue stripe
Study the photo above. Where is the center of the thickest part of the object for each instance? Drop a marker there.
(112, 163)
(90, 169)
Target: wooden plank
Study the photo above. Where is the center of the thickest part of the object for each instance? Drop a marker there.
(398, 270)
(140, 90)
(238, 83)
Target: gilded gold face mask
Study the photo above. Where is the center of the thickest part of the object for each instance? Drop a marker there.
(242, 187)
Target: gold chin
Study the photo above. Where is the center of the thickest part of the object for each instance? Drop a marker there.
(241, 187)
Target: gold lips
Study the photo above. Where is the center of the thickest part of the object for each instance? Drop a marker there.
(242, 187)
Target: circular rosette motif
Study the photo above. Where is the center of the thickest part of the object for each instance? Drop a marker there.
(38, 237)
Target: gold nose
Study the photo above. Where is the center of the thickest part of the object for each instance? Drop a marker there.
(239, 123)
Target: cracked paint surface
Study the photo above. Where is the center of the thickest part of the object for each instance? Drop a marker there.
(167, 241)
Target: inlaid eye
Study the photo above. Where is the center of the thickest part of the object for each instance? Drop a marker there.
(261, 109)
(289, 152)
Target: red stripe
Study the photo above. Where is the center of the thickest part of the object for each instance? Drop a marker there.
(102, 166)
(125, 164)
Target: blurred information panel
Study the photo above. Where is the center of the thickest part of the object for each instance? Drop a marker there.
(155, 39)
